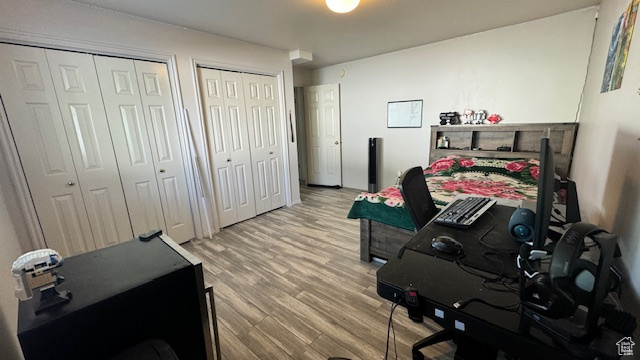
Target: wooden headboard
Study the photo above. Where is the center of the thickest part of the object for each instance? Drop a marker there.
(517, 141)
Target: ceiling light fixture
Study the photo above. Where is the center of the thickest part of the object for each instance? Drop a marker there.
(342, 6)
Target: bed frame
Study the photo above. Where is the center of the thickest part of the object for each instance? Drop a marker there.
(517, 141)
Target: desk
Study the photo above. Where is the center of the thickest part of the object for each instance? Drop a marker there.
(441, 283)
(122, 295)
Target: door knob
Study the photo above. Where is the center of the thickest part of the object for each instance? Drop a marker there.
(228, 160)
(336, 143)
(270, 152)
(71, 183)
(162, 170)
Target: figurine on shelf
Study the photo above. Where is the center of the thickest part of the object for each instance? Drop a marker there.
(494, 118)
(479, 117)
(449, 118)
(467, 116)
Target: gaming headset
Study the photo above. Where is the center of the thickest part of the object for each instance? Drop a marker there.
(570, 281)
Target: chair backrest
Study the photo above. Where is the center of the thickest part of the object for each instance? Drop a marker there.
(417, 198)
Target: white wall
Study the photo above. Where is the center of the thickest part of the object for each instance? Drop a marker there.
(607, 151)
(526, 73)
(302, 77)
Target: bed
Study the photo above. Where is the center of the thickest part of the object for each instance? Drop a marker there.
(471, 165)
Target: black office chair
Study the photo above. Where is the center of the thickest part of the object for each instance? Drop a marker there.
(418, 201)
(417, 198)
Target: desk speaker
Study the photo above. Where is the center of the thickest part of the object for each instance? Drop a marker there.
(521, 224)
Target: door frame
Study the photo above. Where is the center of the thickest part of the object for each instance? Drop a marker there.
(57, 43)
(301, 132)
(195, 63)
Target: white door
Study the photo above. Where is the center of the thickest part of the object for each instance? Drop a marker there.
(261, 98)
(160, 116)
(227, 137)
(129, 132)
(78, 92)
(324, 156)
(37, 126)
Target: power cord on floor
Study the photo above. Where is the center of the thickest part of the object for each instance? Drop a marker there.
(391, 328)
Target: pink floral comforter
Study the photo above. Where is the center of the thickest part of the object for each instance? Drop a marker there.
(448, 177)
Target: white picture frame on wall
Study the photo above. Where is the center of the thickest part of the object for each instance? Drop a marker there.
(404, 114)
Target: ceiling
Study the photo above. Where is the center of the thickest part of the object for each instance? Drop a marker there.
(374, 27)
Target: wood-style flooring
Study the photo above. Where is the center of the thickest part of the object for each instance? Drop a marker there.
(289, 285)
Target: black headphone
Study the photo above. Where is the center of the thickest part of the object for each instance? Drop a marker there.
(570, 280)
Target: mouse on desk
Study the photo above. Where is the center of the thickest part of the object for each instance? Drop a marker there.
(447, 244)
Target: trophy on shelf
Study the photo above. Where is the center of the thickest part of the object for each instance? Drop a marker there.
(36, 273)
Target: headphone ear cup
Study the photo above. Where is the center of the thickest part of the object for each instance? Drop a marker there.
(543, 296)
(521, 224)
(563, 304)
(538, 293)
(584, 279)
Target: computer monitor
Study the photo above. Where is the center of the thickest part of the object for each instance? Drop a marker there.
(546, 190)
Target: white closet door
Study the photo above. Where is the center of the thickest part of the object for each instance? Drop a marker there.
(233, 93)
(165, 147)
(121, 96)
(217, 128)
(227, 134)
(265, 140)
(76, 84)
(37, 126)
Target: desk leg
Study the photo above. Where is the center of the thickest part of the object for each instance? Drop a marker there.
(444, 335)
(214, 322)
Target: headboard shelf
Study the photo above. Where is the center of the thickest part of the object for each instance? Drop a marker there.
(521, 141)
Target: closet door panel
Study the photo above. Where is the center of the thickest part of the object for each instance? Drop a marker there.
(243, 177)
(218, 135)
(165, 147)
(234, 102)
(227, 131)
(263, 200)
(257, 143)
(266, 149)
(76, 84)
(226, 194)
(129, 132)
(36, 123)
(274, 144)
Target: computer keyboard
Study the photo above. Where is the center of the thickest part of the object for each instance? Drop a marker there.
(464, 212)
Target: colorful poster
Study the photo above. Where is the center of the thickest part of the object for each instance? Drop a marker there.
(611, 56)
(619, 48)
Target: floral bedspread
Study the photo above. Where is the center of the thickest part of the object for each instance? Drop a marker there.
(448, 177)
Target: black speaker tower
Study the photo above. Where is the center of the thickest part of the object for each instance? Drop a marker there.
(374, 155)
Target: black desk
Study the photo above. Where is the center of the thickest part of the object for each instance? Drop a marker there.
(441, 283)
(122, 295)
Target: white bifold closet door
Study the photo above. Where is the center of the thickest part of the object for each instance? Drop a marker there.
(228, 141)
(243, 124)
(61, 146)
(99, 149)
(261, 99)
(78, 91)
(141, 116)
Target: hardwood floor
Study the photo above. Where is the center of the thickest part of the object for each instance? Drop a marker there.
(289, 285)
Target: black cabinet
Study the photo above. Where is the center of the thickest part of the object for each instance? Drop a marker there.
(122, 296)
